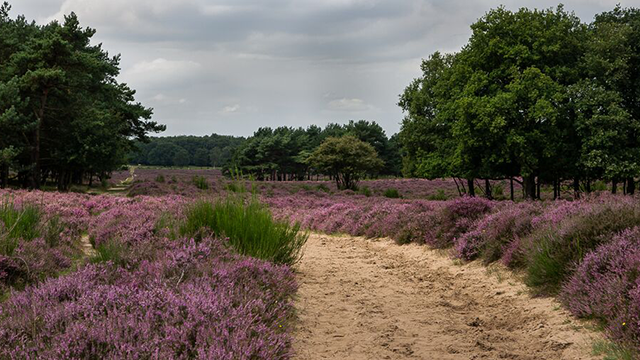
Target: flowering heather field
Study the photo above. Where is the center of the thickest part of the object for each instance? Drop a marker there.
(145, 294)
(166, 295)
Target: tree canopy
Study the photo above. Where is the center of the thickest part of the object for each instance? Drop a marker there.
(283, 153)
(63, 114)
(534, 95)
(347, 159)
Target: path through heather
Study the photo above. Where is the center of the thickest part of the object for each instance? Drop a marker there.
(372, 299)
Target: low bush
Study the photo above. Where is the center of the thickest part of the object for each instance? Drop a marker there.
(553, 250)
(160, 178)
(249, 227)
(438, 196)
(455, 218)
(606, 286)
(494, 234)
(392, 193)
(364, 190)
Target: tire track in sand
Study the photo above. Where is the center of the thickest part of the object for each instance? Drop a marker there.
(373, 299)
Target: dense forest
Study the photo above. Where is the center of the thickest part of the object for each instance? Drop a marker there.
(63, 115)
(277, 154)
(210, 150)
(534, 96)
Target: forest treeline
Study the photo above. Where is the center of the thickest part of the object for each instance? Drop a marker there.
(64, 117)
(209, 150)
(278, 154)
(535, 96)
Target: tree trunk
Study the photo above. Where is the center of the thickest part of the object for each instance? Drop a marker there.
(511, 188)
(529, 186)
(538, 189)
(614, 186)
(487, 189)
(576, 188)
(631, 186)
(35, 154)
(588, 186)
(472, 189)
(4, 176)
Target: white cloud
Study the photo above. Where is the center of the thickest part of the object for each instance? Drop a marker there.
(230, 109)
(349, 105)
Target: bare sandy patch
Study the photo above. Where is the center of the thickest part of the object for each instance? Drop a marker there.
(373, 299)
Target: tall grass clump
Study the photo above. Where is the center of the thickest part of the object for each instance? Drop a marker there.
(249, 226)
(201, 182)
(16, 224)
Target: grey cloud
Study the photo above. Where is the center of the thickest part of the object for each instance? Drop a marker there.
(230, 66)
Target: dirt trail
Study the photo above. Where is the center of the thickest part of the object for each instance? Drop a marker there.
(372, 299)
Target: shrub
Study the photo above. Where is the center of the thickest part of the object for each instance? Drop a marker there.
(249, 227)
(160, 178)
(553, 250)
(494, 234)
(438, 196)
(392, 193)
(364, 190)
(323, 187)
(606, 286)
(455, 218)
(201, 182)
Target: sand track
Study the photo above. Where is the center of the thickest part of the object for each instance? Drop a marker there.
(372, 299)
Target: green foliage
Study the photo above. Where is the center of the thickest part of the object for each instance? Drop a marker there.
(438, 196)
(60, 101)
(323, 187)
(17, 224)
(612, 351)
(347, 159)
(392, 193)
(52, 231)
(249, 226)
(554, 100)
(364, 190)
(283, 153)
(557, 249)
(160, 178)
(201, 182)
(110, 251)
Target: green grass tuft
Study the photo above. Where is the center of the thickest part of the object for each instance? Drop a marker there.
(249, 226)
(17, 224)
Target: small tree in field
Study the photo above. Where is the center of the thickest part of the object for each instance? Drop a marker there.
(347, 159)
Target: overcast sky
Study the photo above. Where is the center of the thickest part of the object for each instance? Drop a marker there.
(231, 66)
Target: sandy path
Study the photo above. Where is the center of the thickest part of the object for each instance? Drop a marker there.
(372, 299)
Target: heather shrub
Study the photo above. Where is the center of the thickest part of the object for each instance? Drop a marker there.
(492, 235)
(392, 193)
(454, 219)
(553, 250)
(606, 286)
(193, 301)
(249, 226)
